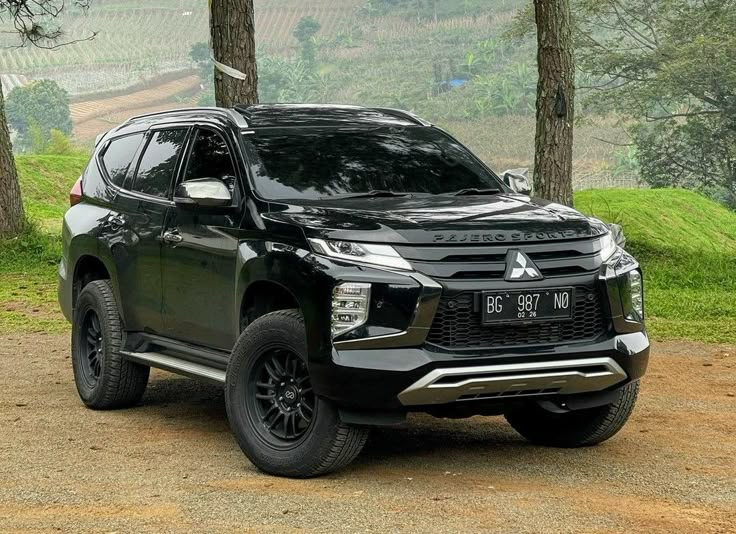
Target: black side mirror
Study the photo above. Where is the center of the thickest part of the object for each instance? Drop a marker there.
(203, 192)
(518, 181)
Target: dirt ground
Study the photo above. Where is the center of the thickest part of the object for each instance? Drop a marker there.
(172, 464)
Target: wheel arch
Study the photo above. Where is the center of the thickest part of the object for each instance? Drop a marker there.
(295, 283)
(265, 296)
(87, 268)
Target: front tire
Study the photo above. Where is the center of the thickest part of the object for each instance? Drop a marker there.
(280, 424)
(104, 379)
(578, 428)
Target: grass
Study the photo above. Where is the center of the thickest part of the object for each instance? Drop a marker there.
(28, 263)
(45, 182)
(687, 247)
(685, 242)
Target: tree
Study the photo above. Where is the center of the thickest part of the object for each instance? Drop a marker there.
(42, 105)
(305, 30)
(669, 68)
(11, 207)
(555, 101)
(33, 22)
(232, 30)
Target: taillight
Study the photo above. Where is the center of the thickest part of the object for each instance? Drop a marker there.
(75, 195)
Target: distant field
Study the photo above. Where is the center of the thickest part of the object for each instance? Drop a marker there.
(507, 142)
(137, 40)
(390, 60)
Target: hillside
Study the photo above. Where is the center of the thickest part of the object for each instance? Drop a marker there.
(685, 242)
(687, 246)
(45, 184)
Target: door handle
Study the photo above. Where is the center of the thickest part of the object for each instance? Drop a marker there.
(173, 237)
(117, 221)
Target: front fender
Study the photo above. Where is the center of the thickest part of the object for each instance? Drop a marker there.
(311, 279)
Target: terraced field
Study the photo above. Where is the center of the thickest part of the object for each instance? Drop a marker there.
(134, 41)
(93, 117)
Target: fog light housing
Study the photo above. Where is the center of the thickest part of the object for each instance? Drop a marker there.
(350, 302)
(632, 296)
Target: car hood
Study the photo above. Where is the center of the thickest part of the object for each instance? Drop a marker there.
(437, 219)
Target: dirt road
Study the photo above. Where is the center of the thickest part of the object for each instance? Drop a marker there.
(172, 464)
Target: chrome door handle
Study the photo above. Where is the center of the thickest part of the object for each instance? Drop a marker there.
(173, 237)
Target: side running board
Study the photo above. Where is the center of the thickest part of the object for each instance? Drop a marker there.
(178, 366)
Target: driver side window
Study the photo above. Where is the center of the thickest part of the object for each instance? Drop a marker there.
(210, 158)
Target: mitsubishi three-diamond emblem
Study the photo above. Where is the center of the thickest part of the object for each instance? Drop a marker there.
(519, 267)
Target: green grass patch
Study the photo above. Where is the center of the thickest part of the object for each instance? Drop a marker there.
(29, 262)
(45, 182)
(687, 247)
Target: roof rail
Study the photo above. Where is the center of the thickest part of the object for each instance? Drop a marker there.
(404, 115)
(231, 114)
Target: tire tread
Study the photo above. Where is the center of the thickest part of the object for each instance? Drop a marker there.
(123, 382)
(593, 426)
(338, 449)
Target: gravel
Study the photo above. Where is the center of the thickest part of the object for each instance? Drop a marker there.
(172, 465)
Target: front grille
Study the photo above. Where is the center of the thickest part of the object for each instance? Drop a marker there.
(458, 324)
(554, 259)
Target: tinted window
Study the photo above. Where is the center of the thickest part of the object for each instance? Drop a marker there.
(119, 155)
(327, 162)
(210, 158)
(159, 162)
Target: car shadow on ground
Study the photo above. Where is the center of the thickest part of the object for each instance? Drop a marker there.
(203, 405)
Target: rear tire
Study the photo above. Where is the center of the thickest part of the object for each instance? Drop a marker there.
(103, 377)
(579, 428)
(280, 424)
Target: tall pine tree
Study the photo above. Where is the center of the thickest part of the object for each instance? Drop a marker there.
(555, 101)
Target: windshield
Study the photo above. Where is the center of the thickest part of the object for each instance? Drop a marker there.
(334, 163)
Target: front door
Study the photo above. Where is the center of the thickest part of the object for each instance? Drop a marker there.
(137, 223)
(199, 254)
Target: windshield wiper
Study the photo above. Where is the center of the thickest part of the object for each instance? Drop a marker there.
(475, 191)
(375, 193)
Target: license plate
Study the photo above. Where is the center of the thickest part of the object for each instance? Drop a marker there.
(554, 304)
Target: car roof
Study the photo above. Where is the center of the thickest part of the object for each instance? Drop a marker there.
(271, 116)
(329, 115)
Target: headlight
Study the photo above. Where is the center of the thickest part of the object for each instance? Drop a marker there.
(608, 246)
(350, 303)
(382, 255)
(632, 296)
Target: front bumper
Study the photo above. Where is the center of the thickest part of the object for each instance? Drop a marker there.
(389, 379)
(379, 368)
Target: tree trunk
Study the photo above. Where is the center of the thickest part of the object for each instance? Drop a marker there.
(555, 101)
(11, 208)
(232, 29)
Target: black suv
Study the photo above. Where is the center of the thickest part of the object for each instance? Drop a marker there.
(335, 268)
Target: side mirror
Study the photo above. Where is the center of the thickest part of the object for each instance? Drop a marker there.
(518, 180)
(203, 192)
(618, 235)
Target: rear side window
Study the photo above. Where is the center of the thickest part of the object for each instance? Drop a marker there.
(158, 162)
(119, 155)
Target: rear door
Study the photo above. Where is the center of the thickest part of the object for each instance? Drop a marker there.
(199, 254)
(136, 226)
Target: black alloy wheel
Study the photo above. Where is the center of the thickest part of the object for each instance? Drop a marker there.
(280, 396)
(92, 346)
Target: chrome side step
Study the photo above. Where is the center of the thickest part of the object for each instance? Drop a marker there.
(512, 380)
(177, 365)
